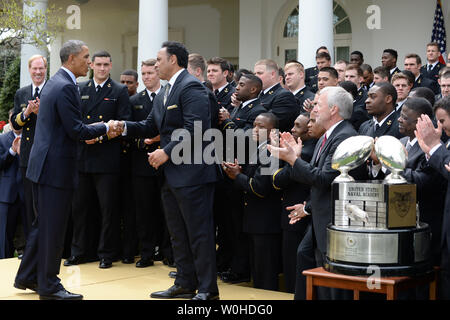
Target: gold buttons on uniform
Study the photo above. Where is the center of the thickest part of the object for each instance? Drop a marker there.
(28, 129)
(100, 117)
(88, 117)
(28, 139)
(245, 204)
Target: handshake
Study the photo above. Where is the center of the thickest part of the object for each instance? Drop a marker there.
(115, 128)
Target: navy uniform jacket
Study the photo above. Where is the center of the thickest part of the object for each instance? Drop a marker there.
(112, 103)
(389, 128)
(244, 117)
(302, 95)
(422, 81)
(59, 128)
(141, 106)
(11, 185)
(293, 191)
(261, 201)
(281, 103)
(311, 78)
(433, 74)
(187, 102)
(359, 114)
(224, 97)
(21, 98)
(396, 70)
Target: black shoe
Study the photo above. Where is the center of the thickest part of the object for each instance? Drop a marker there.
(173, 274)
(207, 296)
(105, 264)
(62, 294)
(144, 263)
(174, 292)
(25, 285)
(232, 277)
(73, 261)
(169, 262)
(128, 260)
(158, 256)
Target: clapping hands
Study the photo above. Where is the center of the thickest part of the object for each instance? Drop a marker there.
(289, 149)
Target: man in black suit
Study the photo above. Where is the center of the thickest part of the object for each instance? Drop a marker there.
(295, 82)
(389, 61)
(102, 99)
(26, 109)
(189, 185)
(332, 111)
(413, 63)
(52, 169)
(261, 219)
(438, 155)
(403, 83)
(292, 194)
(432, 68)
(273, 97)
(11, 189)
(217, 73)
(354, 74)
(380, 105)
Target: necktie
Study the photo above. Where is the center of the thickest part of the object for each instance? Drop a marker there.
(408, 146)
(377, 126)
(429, 67)
(216, 92)
(321, 147)
(166, 92)
(36, 93)
(153, 95)
(98, 88)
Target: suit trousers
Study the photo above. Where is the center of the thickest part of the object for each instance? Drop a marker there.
(240, 263)
(305, 260)
(9, 214)
(290, 243)
(28, 195)
(42, 255)
(189, 218)
(445, 274)
(102, 190)
(265, 260)
(127, 208)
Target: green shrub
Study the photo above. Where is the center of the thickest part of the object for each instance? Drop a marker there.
(11, 84)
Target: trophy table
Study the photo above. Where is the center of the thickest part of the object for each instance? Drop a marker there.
(375, 224)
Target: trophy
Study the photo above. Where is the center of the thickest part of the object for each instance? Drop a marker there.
(350, 154)
(375, 222)
(392, 155)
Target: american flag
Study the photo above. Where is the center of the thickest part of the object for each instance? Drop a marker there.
(438, 34)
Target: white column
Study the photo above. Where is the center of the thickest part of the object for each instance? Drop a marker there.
(315, 29)
(28, 50)
(250, 33)
(153, 30)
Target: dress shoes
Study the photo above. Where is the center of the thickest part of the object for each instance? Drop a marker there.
(128, 260)
(144, 263)
(174, 292)
(206, 296)
(105, 264)
(25, 285)
(173, 274)
(232, 277)
(62, 294)
(169, 262)
(73, 261)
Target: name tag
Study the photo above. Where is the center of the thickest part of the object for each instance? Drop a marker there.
(172, 107)
(139, 107)
(84, 97)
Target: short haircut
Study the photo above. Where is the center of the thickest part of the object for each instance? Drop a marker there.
(433, 44)
(401, 75)
(323, 55)
(273, 119)
(414, 55)
(254, 80)
(197, 61)
(238, 74)
(337, 96)
(270, 64)
(424, 92)
(179, 50)
(296, 65)
(350, 87)
(148, 63)
(282, 74)
(321, 48)
(359, 53)
(444, 104)
(388, 89)
(444, 73)
(342, 61)
(130, 72)
(419, 106)
(355, 67)
(392, 52)
(224, 64)
(382, 72)
(305, 114)
(331, 71)
(410, 75)
(35, 57)
(71, 47)
(366, 67)
(102, 54)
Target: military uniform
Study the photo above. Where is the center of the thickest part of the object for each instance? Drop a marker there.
(432, 74)
(396, 70)
(302, 95)
(224, 97)
(359, 114)
(311, 78)
(423, 81)
(99, 171)
(388, 128)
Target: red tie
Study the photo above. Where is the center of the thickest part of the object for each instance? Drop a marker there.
(321, 147)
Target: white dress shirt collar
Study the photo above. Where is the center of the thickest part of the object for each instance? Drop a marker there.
(72, 76)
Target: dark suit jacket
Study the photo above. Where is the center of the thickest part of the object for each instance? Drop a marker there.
(111, 103)
(389, 127)
(319, 175)
(396, 70)
(433, 74)
(21, 98)
(141, 106)
(224, 97)
(187, 102)
(59, 128)
(422, 81)
(283, 104)
(244, 117)
(359, 114)
(302, 95)
(311, 78)
(11, 185)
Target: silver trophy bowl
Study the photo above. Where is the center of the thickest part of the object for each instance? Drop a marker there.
(351, 153)
(393, 156)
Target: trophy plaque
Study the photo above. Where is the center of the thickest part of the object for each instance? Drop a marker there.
(376, 222)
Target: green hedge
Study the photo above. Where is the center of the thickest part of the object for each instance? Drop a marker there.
(11, 84)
